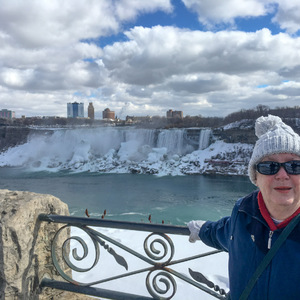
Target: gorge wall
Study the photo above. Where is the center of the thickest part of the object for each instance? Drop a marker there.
(127, 149)
(12, 136)
(25, 246)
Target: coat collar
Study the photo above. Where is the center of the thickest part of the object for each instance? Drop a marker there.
(254, 206)
(249, 205)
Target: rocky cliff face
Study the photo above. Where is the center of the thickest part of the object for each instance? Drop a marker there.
(12, 136)
(236, 135)
(25, 245)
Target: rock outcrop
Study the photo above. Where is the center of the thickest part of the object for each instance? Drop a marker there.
(25, 245)
(12, 136)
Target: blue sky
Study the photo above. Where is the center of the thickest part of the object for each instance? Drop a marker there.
(209, 57)
(182, 17)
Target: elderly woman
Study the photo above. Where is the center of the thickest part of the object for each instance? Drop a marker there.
(259, 219)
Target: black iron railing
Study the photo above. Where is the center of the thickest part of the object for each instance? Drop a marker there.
(161, 277)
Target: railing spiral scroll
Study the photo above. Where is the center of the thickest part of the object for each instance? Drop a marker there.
(68, 255)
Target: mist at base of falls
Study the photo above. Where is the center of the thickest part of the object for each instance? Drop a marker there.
(113, 150)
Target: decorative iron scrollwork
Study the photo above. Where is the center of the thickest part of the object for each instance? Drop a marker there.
(59, 260)
(161, 286)
(202, 279)
(165, 243)
(159, 249)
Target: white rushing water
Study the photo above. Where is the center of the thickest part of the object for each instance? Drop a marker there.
(121, 150)
(204, 139)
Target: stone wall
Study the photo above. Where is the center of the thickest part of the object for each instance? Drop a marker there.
(25, 246)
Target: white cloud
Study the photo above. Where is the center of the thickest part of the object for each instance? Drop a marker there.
(211, 12)
(47, 61)
(171, 64)
(33, 24)
(287, 89)
(288, 15)
(129, 9)
(152, 55)
(15, 78)
(214, 12)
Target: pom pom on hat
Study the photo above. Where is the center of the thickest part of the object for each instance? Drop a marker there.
(274, 136)
(265, 124)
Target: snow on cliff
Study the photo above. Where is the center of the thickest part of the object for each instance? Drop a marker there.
(128, 150)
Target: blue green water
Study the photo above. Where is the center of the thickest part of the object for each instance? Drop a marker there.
(133, 197)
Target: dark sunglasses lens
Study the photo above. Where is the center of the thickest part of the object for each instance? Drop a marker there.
(268, 167)
(293, 167)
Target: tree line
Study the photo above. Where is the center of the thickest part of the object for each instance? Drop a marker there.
(243, 114)
(263, 110)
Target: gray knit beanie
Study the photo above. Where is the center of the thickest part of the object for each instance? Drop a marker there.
(274, 137)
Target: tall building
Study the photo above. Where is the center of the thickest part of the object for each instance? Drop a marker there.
(75, 110)
(169, 113)
(108, 114)
(7, 114)
(174, 114)
(91, 111)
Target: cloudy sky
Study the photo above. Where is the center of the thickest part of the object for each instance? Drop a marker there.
(136, 57)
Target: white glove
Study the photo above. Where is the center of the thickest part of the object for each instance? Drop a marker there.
(194, 227)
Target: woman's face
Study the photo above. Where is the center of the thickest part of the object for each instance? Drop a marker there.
(281, 191)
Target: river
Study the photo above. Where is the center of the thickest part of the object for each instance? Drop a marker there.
(134, 197)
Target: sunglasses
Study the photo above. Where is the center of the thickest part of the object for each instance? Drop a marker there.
(272, 167)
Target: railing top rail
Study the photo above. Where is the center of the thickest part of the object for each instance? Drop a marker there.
(138, 226)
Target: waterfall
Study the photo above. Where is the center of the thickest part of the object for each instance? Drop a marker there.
(104, 149)
(171, 139)
(204, 138)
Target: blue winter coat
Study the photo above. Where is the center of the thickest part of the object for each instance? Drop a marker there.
(245, 236)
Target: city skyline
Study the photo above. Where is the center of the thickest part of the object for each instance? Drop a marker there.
(142, 58)
(76, 110)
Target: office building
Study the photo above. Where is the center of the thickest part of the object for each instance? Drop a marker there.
(174, 114)
(108, 114)
(91, 111)
(75, 110)
(7, 114)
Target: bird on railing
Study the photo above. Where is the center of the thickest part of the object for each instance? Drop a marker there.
(88, 215)
(104, 214)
